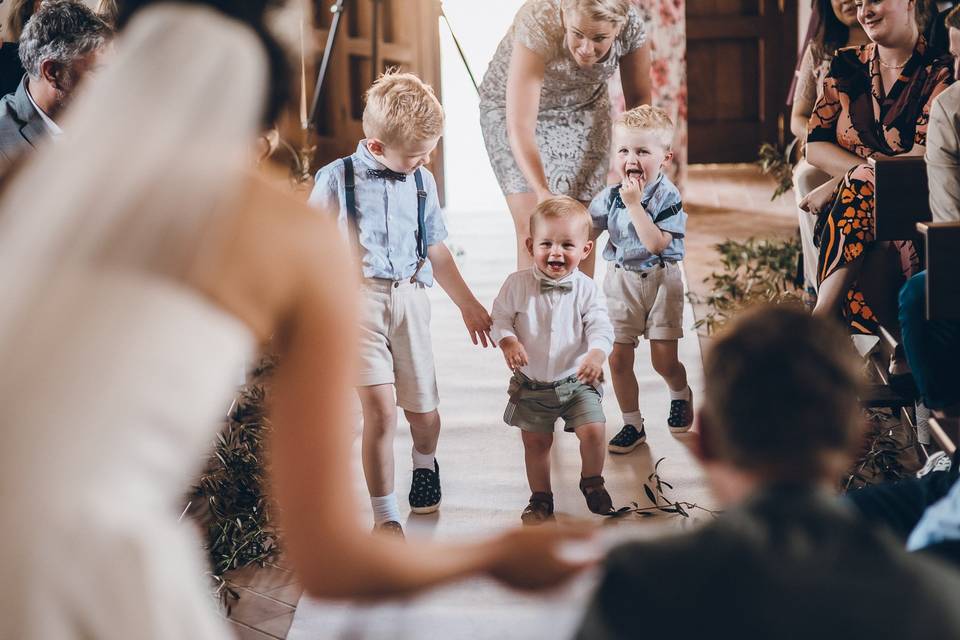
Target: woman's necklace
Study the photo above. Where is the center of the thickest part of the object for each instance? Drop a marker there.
(892, 66)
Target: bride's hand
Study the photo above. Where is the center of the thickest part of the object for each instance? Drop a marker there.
(820, 198)
(539, 558)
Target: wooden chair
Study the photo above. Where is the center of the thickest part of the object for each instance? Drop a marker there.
(902, 197)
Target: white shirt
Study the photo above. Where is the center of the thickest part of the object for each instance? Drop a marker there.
(556, 328)
(48, 122)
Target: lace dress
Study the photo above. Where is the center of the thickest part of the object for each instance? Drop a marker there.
(573, 123)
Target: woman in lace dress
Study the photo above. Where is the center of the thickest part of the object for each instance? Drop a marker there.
(146, 262)
(544, 106)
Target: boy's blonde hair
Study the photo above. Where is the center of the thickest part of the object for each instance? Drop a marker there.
(614, 11)
(649, 118)
(559, 207)
(401, 107)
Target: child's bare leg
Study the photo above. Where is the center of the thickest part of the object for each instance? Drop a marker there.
(663, 354)
(536, 456)
(425, 430)
(624, 380)
(593, 443)
(379, 427)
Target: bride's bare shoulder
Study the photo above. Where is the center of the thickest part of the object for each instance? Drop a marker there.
(279, 251)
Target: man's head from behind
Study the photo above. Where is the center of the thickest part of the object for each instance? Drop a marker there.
(780, 401)
(60, 45)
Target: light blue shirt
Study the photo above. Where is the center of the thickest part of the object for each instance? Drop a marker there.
(624, 246)
(386, 216)
(939, 523)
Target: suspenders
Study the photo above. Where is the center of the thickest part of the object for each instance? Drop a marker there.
(351, 198)
(667, 213)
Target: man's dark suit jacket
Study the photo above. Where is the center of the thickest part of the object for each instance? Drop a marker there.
(790, 563)
(21, 127)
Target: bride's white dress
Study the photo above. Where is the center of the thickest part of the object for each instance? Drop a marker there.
(114, 377)
(96, 465)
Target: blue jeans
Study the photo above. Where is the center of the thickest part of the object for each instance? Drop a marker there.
(932, 347)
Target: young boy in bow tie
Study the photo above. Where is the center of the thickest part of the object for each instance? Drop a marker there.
(387, 204)
(551, 324)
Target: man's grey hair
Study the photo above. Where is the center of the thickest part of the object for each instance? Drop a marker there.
(61, 31)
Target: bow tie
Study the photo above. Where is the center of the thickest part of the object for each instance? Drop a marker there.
(546, 285)
(617, 200)
(386, 174)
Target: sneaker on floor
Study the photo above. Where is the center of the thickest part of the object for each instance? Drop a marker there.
(390, 528)
(598, 500)
(539, 509)
(939, 461)
(628, 439)
(681, 415)
(425, 490)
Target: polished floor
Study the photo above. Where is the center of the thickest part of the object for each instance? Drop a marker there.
(482, 465)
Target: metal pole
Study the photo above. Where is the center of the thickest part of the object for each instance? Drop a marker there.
(459, 49)
(337, 10)
(375, 42)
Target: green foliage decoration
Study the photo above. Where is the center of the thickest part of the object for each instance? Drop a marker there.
(755, 271)
(238, 514)
(775, 162)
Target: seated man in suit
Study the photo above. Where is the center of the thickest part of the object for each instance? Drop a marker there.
(779, 421)
(60, 44)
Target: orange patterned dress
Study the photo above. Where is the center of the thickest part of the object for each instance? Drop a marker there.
(854, 112)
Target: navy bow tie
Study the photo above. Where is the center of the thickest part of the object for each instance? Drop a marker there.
(617, 200)
(386, 174)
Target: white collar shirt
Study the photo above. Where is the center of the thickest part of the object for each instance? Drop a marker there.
(556, 328)
(48, 122)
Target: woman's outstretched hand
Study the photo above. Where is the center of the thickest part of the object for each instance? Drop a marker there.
(538, 558)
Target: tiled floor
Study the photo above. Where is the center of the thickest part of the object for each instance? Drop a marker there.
(722, 201)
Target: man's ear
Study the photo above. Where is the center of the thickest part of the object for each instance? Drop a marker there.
(375, 146)
(53, 73)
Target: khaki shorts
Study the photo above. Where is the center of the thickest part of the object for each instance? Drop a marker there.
(645, 303)
(535, 406)
(395, 344)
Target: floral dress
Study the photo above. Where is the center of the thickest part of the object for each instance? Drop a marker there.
(854, 112)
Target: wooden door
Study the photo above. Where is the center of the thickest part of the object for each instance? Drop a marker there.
(408, 37)
(740, 60)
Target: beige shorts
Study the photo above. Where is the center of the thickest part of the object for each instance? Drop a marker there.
(645, 303)
(395, 344)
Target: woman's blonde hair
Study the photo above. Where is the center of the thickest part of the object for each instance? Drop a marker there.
(19, 13)
(401, 107)
(614, 11)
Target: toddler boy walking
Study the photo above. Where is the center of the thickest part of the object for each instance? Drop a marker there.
(644, 218)
(387, 203)
(551, 324)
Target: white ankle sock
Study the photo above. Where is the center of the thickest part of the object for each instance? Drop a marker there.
(634, 418)
(423, 460)
(684, 394)
(385, 508)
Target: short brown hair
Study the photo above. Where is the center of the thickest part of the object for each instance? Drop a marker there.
(401, 107)
(953, 18)
(781, 395)
(648, 118)
(559, 207)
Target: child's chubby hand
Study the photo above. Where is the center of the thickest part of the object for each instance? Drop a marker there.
(631, 189)
(478, 323)
(513, 353)
(591, 367)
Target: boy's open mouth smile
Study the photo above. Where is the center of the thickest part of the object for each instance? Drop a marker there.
(556, 265)
(634, 173)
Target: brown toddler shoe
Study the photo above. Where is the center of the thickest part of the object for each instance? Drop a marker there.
(390, 528)
(598, 500)
(539, 509)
